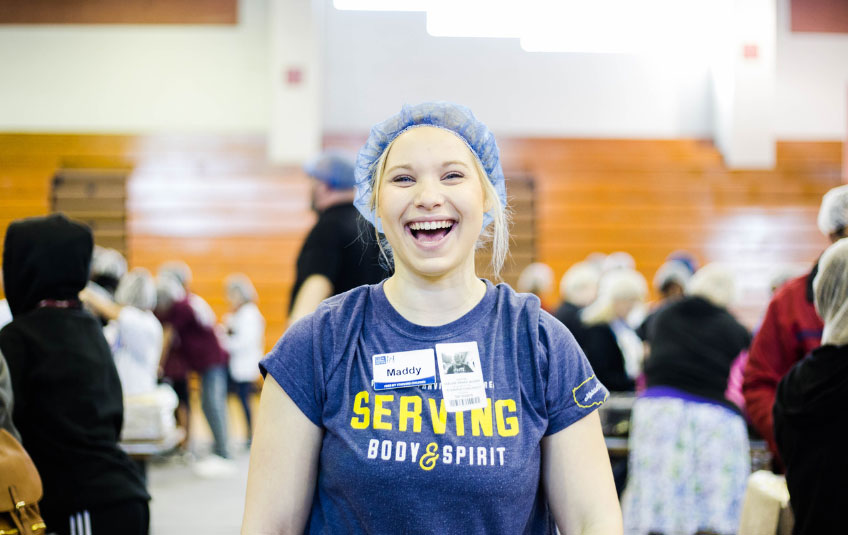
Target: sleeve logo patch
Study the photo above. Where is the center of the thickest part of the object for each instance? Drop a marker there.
(585, 394)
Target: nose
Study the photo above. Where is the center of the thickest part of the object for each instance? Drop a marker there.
(428, 194)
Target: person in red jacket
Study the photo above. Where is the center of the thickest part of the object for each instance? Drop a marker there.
(790, 330)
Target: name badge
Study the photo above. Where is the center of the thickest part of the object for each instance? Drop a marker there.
(403, 369)
(462, 376)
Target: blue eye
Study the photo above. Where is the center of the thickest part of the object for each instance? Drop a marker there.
(403, 179)
(453, 176)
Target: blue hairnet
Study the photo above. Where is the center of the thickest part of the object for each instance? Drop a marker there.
(454, 117)
(333, 168)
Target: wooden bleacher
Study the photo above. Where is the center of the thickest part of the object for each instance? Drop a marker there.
(214, 202)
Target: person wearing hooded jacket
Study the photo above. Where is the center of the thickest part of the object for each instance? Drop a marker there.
(68, 404)
(809, 408)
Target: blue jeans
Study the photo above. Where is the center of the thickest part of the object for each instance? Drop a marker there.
(213, 398)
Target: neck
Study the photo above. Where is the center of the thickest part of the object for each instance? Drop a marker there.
(433, 301)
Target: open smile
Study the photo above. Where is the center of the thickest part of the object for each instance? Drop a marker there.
(430, 233)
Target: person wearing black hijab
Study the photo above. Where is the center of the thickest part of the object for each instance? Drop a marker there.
(68, 405)
(809, 409)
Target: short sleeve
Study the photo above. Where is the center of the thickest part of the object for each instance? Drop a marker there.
(296, 365)
(572, 391)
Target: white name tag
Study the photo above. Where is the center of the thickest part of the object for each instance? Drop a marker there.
(403, 369)
(462, 376)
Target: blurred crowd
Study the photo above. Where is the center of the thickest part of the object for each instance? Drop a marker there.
(702, 384)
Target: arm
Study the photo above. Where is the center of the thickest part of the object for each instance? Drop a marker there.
(315, 289)
(100, 304)
(282, 475)
(167, 340)
(578, 480)
(768, 360)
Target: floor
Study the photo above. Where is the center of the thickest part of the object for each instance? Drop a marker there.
(185, 503)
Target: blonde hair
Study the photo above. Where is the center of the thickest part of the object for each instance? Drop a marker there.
(497, 232)
(618, 285)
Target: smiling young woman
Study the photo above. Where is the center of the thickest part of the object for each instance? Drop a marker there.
(392, 399)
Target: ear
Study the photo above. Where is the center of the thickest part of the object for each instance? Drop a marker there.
(488, 201)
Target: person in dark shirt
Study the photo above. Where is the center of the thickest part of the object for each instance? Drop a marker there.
(68, 402)
(689, 459)
(341, 251)
(810, 407)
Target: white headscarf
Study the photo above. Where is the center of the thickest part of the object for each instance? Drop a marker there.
(831, 293)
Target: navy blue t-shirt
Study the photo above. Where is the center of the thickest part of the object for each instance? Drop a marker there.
(396, 461)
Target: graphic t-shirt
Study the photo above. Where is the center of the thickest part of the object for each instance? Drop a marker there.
(400, 460)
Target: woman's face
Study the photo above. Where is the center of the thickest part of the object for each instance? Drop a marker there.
(431, 202)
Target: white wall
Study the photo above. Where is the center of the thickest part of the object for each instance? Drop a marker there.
(133, 79)
(137, 79)
(812, 82)
(377, 61)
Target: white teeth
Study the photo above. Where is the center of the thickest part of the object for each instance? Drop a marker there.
(430, 225)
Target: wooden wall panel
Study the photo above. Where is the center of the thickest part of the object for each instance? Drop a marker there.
(819, 16)
(214, 202)
(119, 12)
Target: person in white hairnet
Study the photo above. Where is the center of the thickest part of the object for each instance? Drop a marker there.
(578, 288)
(612, 346)
(133, 332)
(689, 459)
(809, 409)
(435, 401)
(670, 283)
(107, 267)
(244, 341)
(791, 328)
(538, 279)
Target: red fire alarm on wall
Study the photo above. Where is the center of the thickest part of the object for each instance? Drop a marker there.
(294, 76)
(750, 51)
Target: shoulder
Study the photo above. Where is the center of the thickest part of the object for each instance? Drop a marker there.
(335, 314)
(512, 302)
(792, 292)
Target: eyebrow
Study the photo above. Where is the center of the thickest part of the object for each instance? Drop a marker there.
(408, 167)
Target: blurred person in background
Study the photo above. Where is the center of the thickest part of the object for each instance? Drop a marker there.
(339, 253)
(779, 276)
(5, 312)
(194, 344)
(684, 257)
(537, 279)
(790, 330)
(135, 338)
(133, 332)
(68, 404)
(670, 283)
(245, 340)
(107, 267)
(809, 409)
(617, 260)
(689, 451)
(578, 288)
(610, 343)
(181, 272)
(173, 368)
